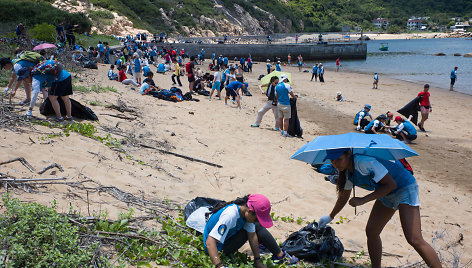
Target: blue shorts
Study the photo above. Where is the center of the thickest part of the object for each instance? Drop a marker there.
(407, 195)
(216, 85)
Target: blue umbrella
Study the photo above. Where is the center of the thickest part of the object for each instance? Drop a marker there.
(376, 145)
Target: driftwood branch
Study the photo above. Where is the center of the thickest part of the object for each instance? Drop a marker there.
(13, 180)
(181, 156)
(121, 116)
(54, 165)
(22, 160)
(387, 254)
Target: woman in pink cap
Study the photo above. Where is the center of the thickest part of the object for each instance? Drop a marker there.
(244, 219)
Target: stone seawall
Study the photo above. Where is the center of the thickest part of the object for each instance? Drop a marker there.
(262, 52)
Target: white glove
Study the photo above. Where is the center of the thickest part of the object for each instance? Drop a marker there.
(324, 220)
(358, 128)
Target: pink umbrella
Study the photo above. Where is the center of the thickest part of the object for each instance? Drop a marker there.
(44, 46)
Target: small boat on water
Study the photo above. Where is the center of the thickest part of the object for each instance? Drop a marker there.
(383, 47)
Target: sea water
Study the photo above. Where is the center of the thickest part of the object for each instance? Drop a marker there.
(414, 60)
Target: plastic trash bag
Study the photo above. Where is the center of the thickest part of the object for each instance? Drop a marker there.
(195, 210)
(314, 243)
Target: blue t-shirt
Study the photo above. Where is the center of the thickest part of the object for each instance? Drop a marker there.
(146, 70)
(153, 53)
(24, 63)
(277, 68)
(45, 80)
(223, 77)
(101, 48)
(234, 85)
(453, 74)
(315, 69)
(282, 90)
(137, 65)
(225, 60)
(63, 75)
(268, 66)
(408, 127)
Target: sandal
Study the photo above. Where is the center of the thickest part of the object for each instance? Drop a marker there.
(59, 119)
(69, 118)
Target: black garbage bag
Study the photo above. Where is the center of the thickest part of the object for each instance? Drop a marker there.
(315, 244)
(79, 111)
(197, 203)
(90, 64)
(294, 128)
(412, 109)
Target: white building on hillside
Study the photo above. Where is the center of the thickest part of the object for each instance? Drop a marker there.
(380, 23)
(417, 23)
(460, 26)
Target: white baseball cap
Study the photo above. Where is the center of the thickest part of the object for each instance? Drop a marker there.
(283, 77)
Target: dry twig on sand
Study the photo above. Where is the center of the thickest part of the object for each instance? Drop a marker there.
(22, 160)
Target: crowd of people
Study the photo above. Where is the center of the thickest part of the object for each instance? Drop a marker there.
(404, 130)
(231, 224)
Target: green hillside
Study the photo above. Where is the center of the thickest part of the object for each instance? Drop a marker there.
(299, 15)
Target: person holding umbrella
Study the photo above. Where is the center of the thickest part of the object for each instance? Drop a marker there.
(372, 162)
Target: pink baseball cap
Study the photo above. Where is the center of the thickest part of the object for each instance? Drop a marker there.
(261, 206)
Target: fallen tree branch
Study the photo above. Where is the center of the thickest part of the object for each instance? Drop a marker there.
(54, 165)
(387, 254)
(14, 180)
(181, 156)
(22, 160)
(121, 116)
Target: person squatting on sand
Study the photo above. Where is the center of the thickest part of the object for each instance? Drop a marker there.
(359, 119)
(282, 92)
(271, 103)
(404, 130)
(393, 188)
(377, 125)
(244, 219)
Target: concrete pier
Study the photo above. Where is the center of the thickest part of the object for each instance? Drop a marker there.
(262, 52)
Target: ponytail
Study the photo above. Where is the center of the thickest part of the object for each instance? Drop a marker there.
(238, 201)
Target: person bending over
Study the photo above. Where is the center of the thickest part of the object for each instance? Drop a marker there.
(392, 188)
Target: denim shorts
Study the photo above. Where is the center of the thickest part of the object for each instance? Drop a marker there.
(407, 195)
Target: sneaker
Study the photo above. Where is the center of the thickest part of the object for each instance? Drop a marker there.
(286, 258)
(255, 125)
(29, 113)
(68, 118)
(286, 135)
(59, 119)
(276, 129)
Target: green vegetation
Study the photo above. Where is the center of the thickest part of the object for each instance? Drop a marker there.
(87, 41)
(44, 32)
(31, 13)
(33, 235)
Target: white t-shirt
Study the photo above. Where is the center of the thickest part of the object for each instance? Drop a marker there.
(228, 219)
(110, 73)
(377, 123)
(366, 165)
(217, 76)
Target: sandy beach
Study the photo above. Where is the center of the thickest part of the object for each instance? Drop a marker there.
(256, 160)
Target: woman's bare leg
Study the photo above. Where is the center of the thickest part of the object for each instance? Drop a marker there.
(379, 216)
(411, 224)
